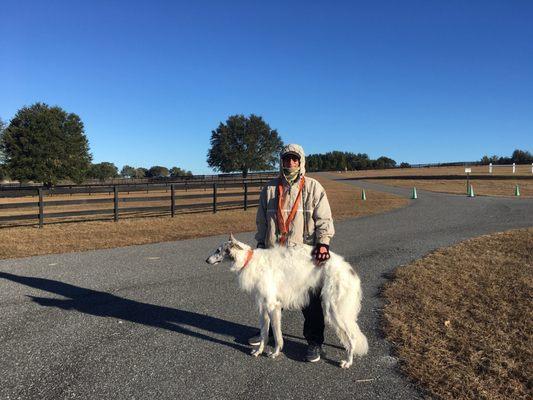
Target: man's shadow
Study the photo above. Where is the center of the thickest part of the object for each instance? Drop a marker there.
(104, 304)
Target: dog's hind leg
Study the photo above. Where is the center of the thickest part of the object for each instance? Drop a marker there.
(349, 334)
(264, 325)
(357, 343)
(346, 341)
(346, 338)
(275, 317)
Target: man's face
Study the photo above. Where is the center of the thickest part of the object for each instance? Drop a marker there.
(290, 161)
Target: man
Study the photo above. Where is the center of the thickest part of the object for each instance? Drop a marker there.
(294, 209)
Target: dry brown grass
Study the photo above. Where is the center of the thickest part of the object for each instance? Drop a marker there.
(461, 318)
(345, 200)
(492, 187)
(60, 238)
(521, 170)
(497, 186)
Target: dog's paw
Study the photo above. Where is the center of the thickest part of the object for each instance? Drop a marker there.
(345, 364)
(256, 352)
(273, 354)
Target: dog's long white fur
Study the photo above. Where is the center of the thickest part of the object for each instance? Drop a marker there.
(281, 277)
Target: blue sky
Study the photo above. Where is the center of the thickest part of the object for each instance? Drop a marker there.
(418, 81)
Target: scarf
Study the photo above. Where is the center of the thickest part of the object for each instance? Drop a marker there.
(291, 174)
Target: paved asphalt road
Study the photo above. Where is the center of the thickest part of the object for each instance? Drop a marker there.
(156, 322)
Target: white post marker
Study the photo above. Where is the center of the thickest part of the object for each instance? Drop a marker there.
(514, 168)
(532, 167)
(490, 168)
(467, 172)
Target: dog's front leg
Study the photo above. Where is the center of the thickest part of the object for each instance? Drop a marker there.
(275, 315)
(264, 324)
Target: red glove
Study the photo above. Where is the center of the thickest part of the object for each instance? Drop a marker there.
(321, 252)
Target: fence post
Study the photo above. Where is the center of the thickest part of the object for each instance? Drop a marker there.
(532, 167)
(115, 190)
(490, 168)
(245, 196)
(172, 201)
(514, 168)
(214, 197)
(41, 207)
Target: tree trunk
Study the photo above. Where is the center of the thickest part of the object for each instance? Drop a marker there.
(244, 172)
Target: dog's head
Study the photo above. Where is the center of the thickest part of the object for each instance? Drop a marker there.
(226, 250)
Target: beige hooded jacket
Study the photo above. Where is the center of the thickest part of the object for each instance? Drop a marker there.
(312, 223)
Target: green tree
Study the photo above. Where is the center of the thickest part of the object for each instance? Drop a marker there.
(140, 173)
(3, 168)
(103, 171)
(127, 171)
(522, 157)
(244, 144)
(176, 172)
(384, 162)
(158, 171)
(337, 160)
(312, 162)
(492, 159)
(2, 128)
(46, 144)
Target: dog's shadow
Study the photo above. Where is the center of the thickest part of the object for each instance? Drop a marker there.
(102, 304)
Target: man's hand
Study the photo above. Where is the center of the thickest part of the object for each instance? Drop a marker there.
(321, 252)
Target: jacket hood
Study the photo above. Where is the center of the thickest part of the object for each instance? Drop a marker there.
(293, 148)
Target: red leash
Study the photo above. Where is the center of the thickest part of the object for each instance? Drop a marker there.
(249, 256)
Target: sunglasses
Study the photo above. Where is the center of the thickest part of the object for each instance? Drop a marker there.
(292, 157)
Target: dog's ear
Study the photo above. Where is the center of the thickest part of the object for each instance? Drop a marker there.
(237, 244)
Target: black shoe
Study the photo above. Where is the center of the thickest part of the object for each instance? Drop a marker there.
(256, 340)
(313, 353)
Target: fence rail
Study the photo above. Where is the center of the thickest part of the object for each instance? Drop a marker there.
(18, 191)
(512, 166)
(195, 179)
(157, 199)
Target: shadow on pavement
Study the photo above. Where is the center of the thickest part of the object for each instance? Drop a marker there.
(104, 304)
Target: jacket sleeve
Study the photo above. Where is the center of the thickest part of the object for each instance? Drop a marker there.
(324, 229)
(261, 219)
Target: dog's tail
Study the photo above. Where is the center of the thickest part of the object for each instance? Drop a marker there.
(341, 302)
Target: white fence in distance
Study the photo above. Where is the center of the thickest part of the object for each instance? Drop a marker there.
(491, 166)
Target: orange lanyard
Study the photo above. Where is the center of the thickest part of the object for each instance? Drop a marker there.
(249, 256)
(284, 226)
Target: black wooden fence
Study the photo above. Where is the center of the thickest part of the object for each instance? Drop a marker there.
(217, 195)
(195, 179)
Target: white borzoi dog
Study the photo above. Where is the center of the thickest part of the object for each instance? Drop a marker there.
(282, 277)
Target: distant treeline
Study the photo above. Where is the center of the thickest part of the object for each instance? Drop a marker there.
(107, 170)
(518, 157)
(343, 160)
